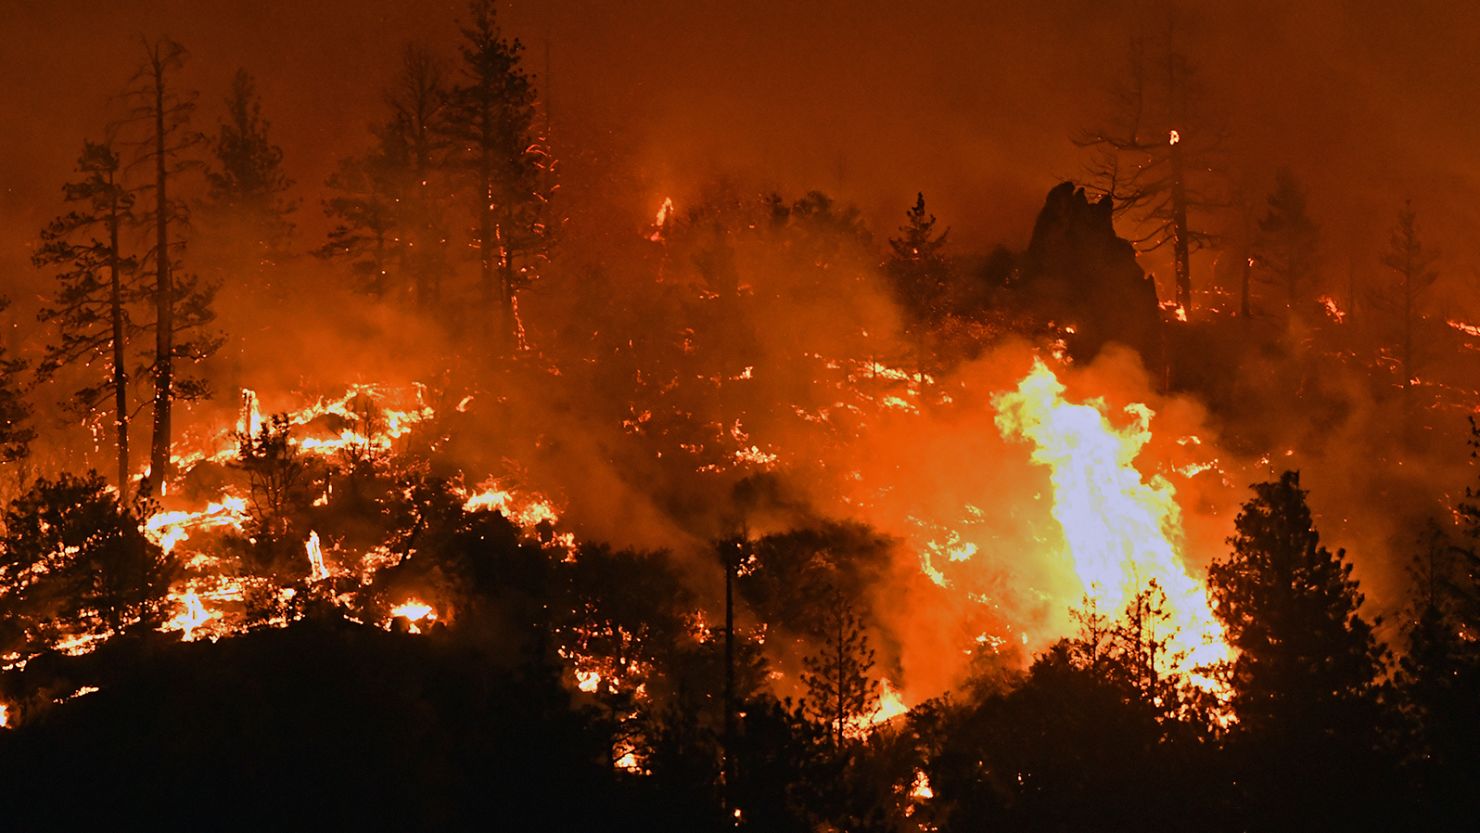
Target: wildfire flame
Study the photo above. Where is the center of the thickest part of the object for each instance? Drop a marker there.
(317, 570)
(1121, 530)
(414, 612)
(191, 617)
(1329, 305)
(660, 222)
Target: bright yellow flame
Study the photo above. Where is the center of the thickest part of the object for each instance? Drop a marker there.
(191, 617)
(891, 703)
(920, 789)
(1329, 304)
(1121, 530)
(524, 510)
(317, 571)
(660, 222)
(414, 612)
(588, 680)
(168, 529)
(1174, 137)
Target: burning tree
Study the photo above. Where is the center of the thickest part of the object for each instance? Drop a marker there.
(247, 185)
(1156, 159)
(98, 285)
(496, 151)
(182, 305)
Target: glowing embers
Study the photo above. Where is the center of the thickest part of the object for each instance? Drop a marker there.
(1121, 530)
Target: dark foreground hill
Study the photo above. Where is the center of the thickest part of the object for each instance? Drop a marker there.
(323, 725)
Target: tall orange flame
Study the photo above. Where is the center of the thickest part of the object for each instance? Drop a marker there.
(1121, 530)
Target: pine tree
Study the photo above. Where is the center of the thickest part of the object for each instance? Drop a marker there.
(97, 287)
(1306, 681)
(419, 101)
(1133, 651)
(161, 114)
(15, 411)
(73, 557)
(391, 202)
(366, 209)
(497, 152)
(917, 265)
(840, 691)
(1157, 158)
(248, 187)
(1411, 265)
(1439, 674)
(1286, 241)
(277, 477)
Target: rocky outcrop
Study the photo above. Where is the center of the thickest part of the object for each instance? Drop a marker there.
(1077, 271)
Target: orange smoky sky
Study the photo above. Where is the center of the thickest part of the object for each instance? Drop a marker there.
(970, 102)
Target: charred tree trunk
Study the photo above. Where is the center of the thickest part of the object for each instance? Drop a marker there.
(120, 369)
(164, 303)
(1181, 246)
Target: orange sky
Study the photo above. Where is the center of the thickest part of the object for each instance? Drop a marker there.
(871, 101)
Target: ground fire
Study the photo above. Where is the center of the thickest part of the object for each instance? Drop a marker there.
(726, 419)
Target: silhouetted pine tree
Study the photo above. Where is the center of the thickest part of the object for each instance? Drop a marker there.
(97, 285)
(1156, 158)
(841, 692)
(1285, 245)
(1306, 684)
(391, 203)
(1411, 265)
(419, 102)
(160, 114)
(366, 208)
(15, 411)
(917, 265)
(74, 557)
(499, 156)
(1439, 674)
(248, 188)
